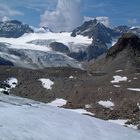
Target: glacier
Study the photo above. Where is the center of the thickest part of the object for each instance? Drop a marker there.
(30, 52)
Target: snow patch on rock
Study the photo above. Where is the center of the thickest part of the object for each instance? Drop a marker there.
(117, 86)
(106, 104)
(88, 106)
(71, 77)
(134, 89)
(47, 83)
(118, 71)
(12, 82)
(118, 79)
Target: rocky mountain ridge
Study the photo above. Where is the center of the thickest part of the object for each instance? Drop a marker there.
(14, 29)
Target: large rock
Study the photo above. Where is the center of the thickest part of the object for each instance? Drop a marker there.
(59, 47)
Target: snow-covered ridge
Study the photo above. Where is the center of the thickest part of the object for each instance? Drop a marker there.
(22, 119)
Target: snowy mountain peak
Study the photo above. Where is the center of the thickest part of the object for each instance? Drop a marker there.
(13, 29)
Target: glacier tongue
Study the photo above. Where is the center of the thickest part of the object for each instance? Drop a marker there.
(22, 119)
(35, 59)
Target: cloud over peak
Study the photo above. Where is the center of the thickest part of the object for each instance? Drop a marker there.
(65, 17)
(104, 20)
(6, 11)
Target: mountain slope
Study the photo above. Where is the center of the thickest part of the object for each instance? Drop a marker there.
(22, 119)
(101, 35)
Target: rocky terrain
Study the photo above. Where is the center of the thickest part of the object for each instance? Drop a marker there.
(108, 86)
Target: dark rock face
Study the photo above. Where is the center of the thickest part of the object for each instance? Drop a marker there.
(127, 41)
(100, 34)
(96, 49)
(60, 47)
(13, 29)
(80, 56)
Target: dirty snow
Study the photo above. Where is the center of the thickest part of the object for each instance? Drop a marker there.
(134, 89)
(135, 78)
(88, 106)
(58, 103)
(123, 123)
(106, 104)
(118, 79)
(138, 104)
(47, 83)
(23, 119)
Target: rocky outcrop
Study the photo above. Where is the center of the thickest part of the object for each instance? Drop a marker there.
(59, 47)
(127, 41)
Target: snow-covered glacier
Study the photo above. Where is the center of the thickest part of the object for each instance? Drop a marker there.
(23, 119)
(32, 50)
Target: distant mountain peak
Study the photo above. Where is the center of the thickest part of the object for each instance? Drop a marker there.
(13, 29)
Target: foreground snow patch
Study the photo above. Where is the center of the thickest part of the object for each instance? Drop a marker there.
(118, 79)
(119, 121)
(58, 103)
(23, 119)
(62, 102)
(47, 83)
(134, 89)
(106, 104)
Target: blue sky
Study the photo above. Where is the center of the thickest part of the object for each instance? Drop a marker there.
(119, 12)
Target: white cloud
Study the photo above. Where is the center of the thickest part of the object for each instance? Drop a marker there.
(65, 17)
(88, 18)
(132, 21)
(6, 11)
(5, 19)
(104, 20)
